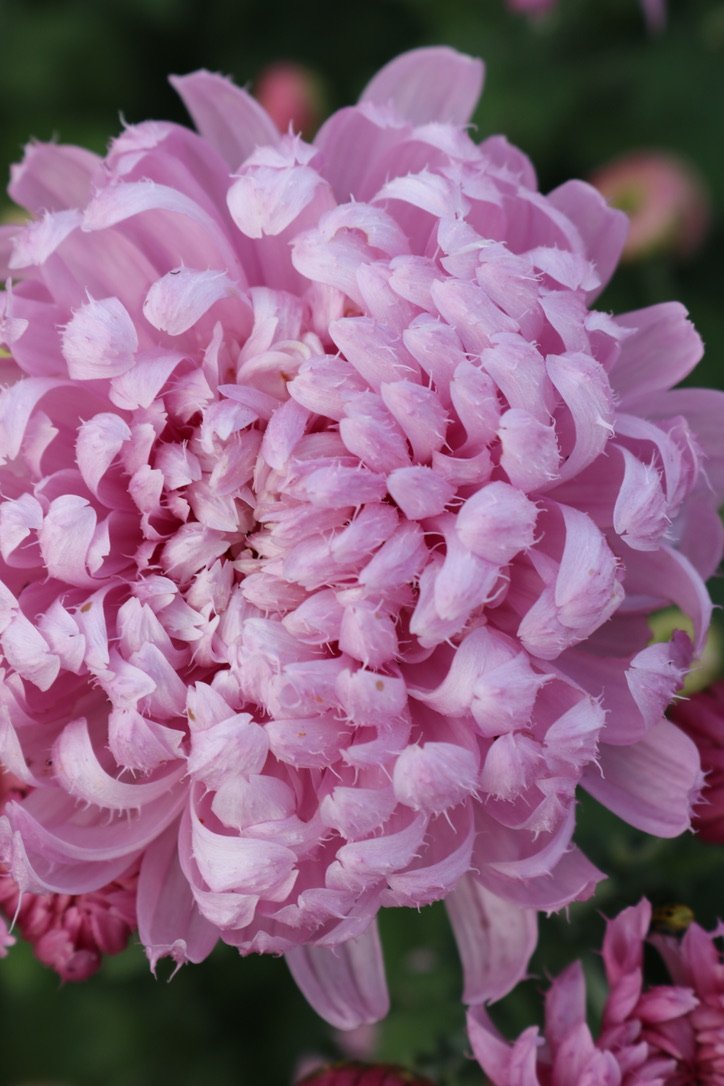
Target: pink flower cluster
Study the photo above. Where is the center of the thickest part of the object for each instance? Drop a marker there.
(662, 1035)
(331, 518)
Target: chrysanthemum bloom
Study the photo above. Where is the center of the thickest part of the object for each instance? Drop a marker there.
(70, 933)
(663, 1035)
(665, 198)
(702, 718)
(332, 515)
(360, 1074)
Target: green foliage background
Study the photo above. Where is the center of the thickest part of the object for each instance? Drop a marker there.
(572, 90)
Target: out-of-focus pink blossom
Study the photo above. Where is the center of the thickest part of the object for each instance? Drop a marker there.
(532, 7)
(360, 1074)
(701, 717)
(655, 13)
(332, 515)
(291, 95)
(662, 1035)
(665, 199)
(654, 10)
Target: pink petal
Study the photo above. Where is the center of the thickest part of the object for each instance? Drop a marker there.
(345, 984)
(652, 784)
(39, 239)
(233, 862)
(53, 177)
(495, 940)
(669, 576)
(506, 1065)
(661, 348)
(603, 228)
(78, 769)
(76, 856)
(433, 84)
(177, 301)
(434, 776)
(444, 860)
(565, 1004)
(497, 522)
(100, 340)
(169, 924)
(225, 115)
(419, 491)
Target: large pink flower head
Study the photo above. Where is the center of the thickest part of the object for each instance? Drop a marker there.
(658, 1035)
(331, 518)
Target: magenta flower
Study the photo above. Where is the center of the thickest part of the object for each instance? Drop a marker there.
(332, 515)
(663, 1035)
(701, 717)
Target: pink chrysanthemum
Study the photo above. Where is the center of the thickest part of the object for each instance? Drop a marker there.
(662, 1035)
(331, 519)
(701, 717)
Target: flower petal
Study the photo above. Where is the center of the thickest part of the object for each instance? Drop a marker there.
(434, 84)
(495, 939)
(345, 984)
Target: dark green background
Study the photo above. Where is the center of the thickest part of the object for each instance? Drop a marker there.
(574, 90)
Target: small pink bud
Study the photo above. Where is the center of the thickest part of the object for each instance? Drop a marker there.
(291, 95)
(665, 199)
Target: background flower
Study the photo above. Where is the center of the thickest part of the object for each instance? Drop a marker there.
(701, 717)
(666, 1034)
(665, 200)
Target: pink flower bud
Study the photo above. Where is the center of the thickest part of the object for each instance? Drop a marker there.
(291, 95)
